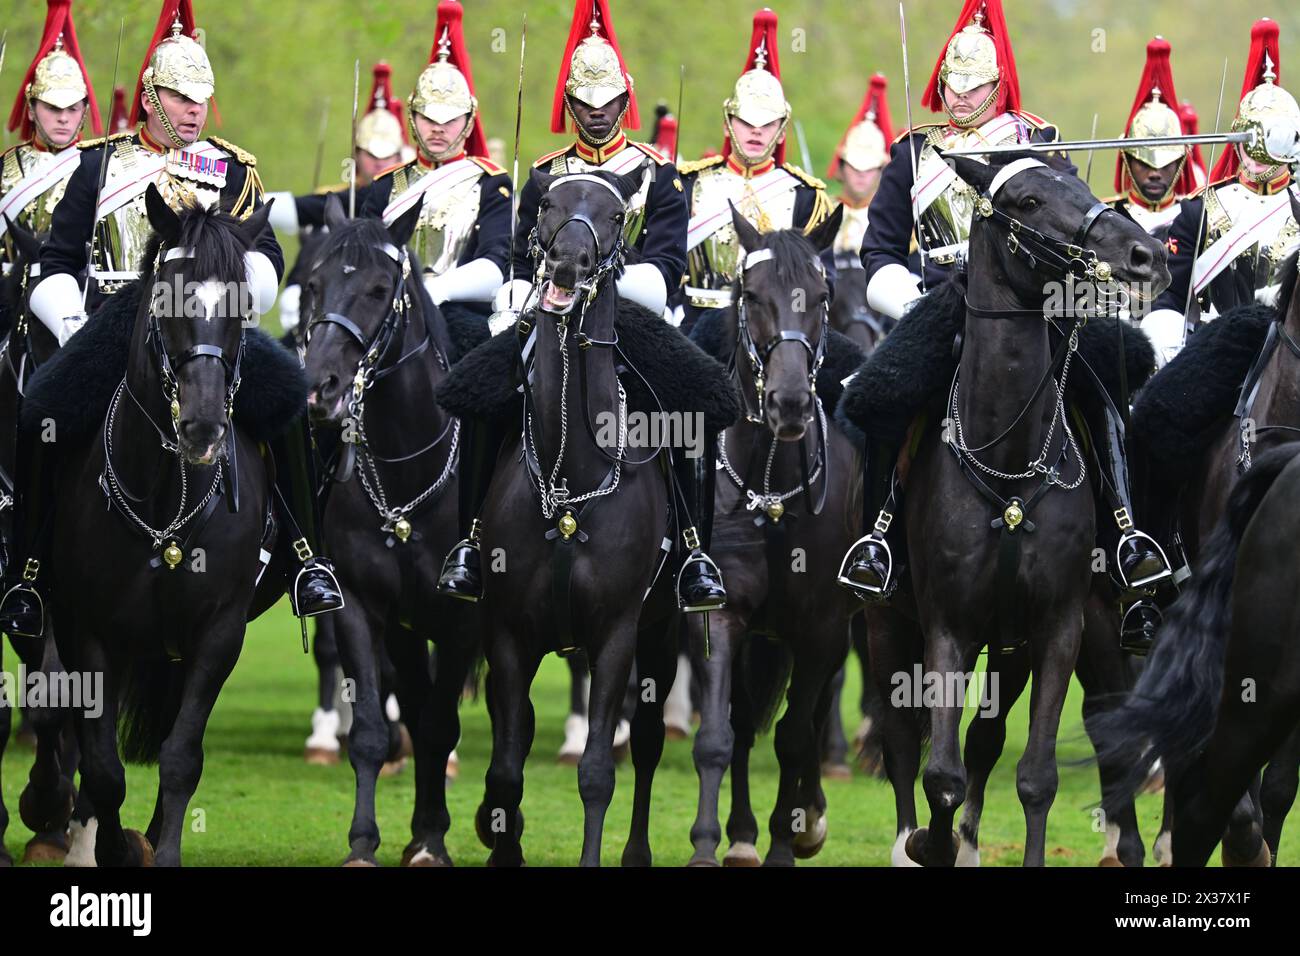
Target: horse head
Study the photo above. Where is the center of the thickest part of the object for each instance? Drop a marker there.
(355, 306)
(1048, 224)
(578, 240)
(781, 296)
(198, 296)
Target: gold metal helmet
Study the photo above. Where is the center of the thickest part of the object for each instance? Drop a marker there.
(865, 147)
(758, 97)
(441, 94)
(58, 80)
(595, 74)
(971, 58)
(1274, 116)
(180, 63)
(1155, 119)
(379, 133)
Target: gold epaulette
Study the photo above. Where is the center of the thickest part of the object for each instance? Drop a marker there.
(653, 153)
(1116, 199)
(1037, 121)
(549, 156)
(695, 165)
(101, 140)
(489, 167)
(241, 154)
(331, 188)
(915, 129)
(808, 179)
(1200, 193)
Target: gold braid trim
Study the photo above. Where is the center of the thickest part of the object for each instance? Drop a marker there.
(823, 206)
(695, 165)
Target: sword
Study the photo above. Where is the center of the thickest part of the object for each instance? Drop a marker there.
(320, 145)
(1199, 139)
(681, 94)
(352, 156)
(1200, 226)
(4, 43)
(803, 146)
(103, 177)
(911, 147)
(514, 176)
(1087, 175)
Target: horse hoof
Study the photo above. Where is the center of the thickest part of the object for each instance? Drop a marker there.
(392, 768)
(453, 767)
(487, 835)
(1264, 858)
(704, 862)
(568, 759)
(142, 844)
(46, 812)
(742, 854)
(321, 757)
(419, 855)
(45, 849)
(1109, 861)
(837, 771)
(360, 863)
(808, 844)
(916, 845)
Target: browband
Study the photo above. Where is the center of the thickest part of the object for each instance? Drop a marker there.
(1012, 169)
(587, 178)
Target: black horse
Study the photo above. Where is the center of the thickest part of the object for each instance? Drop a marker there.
(376, 349)
(572, 528)
(788, 510)
(992, 564)
(167, 576)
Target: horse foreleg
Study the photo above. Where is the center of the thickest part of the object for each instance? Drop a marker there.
(358, 631)
(1281, 780)
(656, 668)
(714, 739)
(944, 781)
(610, 666)
(893, 647)
(575, 724)
(985, 738)
(511, 668)
(742, 825)
(1055, 650)
(180, 761)
(46, 802)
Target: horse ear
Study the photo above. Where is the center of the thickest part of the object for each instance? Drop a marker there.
(541, 179)
(627, 186)
(750, 239)
(24, 238)
(824, 233)
(253, 226)
(164, 220)
(334, 214)
(401, 231)
(977, 175)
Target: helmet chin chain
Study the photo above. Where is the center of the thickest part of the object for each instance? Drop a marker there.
(744, 157)
(44, 137)
(151, 91)
(457, 144)
(587, 138)
(974, 119)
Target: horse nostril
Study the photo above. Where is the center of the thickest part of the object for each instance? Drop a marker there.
(327, 387)
(1140, 257)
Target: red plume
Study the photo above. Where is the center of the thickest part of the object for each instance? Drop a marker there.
(996, 24)
(1263, 41)
(58, 22)
(1192, 126)
(876, 102)
(583, 11)
(764, 34)
(450, 15)
(1157, 74)
(119, 121)
(381, 96)
(170, 11)
(666, 137)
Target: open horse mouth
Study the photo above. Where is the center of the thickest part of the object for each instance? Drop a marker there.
(557, 299)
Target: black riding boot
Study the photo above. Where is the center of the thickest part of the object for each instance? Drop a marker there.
(22, 610)
(868, 568)
(1140, 563)
(462, 571)
(315, 590)
(699, 581)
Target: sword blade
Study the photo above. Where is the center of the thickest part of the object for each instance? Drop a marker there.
(911, 147)
(514, 174)
(1200, 226)
(1087, 175)
(681, 98)
(803, 146)
(1084, 145)
(352, 156)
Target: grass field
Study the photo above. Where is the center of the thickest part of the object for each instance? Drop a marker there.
(263, 806)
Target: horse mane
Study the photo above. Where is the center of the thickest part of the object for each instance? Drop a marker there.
(791, 251)
(1289, 277)
(219, 245)
(1051, 160)
(360, 242)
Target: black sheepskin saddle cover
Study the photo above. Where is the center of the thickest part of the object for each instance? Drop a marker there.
(912, 369)
(485, 383)
(467, 327)
(1181, 411)
(714, 333)
(75, 387)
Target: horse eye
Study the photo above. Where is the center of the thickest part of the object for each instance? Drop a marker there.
(1029, 202)
(378, 292)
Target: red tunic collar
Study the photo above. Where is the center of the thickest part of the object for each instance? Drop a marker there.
(434, 164)
(749, 172)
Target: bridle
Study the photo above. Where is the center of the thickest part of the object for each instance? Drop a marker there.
(370, 370)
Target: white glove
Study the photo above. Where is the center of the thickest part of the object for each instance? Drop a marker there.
(892, 290)
(289, 301)
(512, 296)
(263, 283)
(70, 327)
(644, 285)
(475, 281)
(284, 214)
(1164, 327)
(56, 301)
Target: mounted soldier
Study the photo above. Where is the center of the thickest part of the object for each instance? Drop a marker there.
(1228, 244)
(975, 82)
(1192, 126)
(1153, 180)
(595, 99)
(103, 215)
(751, 173)
(50, 113)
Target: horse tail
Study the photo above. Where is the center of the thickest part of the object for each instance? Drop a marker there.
(149, 704)
(1172, 710)
(765, 669)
